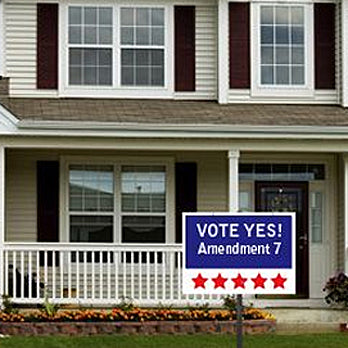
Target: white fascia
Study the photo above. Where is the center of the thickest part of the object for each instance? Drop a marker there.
(193, 131)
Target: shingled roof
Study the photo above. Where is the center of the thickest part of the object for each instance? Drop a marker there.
(174, 112)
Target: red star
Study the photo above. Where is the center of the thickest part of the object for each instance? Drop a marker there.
(199, 281)
(279, 281)
(239, 281)
(259, 281)
(219, 281)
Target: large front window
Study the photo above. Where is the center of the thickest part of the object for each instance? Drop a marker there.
(124, 203)
(282, 40)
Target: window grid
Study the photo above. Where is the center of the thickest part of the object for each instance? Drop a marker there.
(294, 65)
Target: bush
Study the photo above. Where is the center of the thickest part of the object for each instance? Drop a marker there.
(337, 290)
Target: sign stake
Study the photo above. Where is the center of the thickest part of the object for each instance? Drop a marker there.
(239, 324)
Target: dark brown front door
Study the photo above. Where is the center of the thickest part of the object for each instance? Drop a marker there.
(289, 197)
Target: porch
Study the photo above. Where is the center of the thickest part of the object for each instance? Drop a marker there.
(124, 194)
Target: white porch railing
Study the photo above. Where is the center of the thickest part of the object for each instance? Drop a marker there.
(95, 274)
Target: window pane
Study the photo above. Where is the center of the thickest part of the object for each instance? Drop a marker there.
(105, 76)
(143, 16)
(91, 188)
(143, 188)
(282, 15)
(267, 77)
(297, 15)
(75, 76)
(157, 16)
(157, 77)
(127, 36)
(266, 35)
(94, 229)
(105, 16)
(75, 57)
(266, 15)
(75, 36)
(90, 15)
(127, 57)
(157, 36)
(127, 76)
(105, 35)
(316, 217)
(157, 58)
(297, 55)
(105, 58)
(282, 55)
(127, 16)
(90, 35)
(142, 57)
(297, 75)
(75, 15)
(244, 200)
(282, 35)
(266, 55)
(143, 229)
(282, 75)
(297, 35)
(90, 57)
(142, 36)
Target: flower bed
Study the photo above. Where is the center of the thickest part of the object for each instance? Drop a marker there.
(134, 315)
(135, 321)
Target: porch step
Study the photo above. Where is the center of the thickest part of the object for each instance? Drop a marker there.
(295, 320)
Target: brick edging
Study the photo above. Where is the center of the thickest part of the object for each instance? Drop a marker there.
(144, 328)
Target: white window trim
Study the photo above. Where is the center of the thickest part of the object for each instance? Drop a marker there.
(116, 162)
(116, 90)
(258, 90)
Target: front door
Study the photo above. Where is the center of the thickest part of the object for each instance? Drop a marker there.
(289, 197)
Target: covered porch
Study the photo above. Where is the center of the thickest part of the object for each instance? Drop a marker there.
(100, 226)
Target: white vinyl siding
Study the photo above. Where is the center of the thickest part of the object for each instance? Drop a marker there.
(21, 224)
(20, 45)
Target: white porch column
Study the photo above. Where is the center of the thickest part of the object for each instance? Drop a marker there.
(233, 180)
(223, 55)
(344, 50)
(2, 219)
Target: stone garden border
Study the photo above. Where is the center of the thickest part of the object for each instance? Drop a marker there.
(134, 328)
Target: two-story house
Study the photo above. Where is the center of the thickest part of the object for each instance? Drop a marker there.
(116, 117)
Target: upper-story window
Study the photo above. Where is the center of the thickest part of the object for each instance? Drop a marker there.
(282, 45)
(142, 46)
(115, 46)
(282, 50)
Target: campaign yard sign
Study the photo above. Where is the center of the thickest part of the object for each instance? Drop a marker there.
(239, 253)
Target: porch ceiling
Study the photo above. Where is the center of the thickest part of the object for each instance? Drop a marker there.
(174, 112)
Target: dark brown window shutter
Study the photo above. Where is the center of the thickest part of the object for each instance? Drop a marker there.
(239, 18)
(185, 48)
(47, 46)
(48, 204)
(324, 27)
(186, 193)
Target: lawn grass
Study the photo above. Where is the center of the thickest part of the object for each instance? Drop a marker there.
(332, 340)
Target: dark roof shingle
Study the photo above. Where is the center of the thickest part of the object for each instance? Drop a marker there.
(174, 112)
